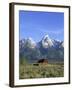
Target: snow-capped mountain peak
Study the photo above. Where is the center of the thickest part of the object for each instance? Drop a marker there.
(30, 43)
(47, 42)
(30, 40)
(46, 48)
(46, 36)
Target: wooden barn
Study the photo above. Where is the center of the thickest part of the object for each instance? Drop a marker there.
(43, 61)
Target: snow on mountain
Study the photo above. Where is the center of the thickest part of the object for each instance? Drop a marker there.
(30, 43)
(56, 43)
(45, 48)
(27, 43)
(22, 43)
(62, 45)
(47, 42)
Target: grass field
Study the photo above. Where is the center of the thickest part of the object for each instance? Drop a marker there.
(41, 71)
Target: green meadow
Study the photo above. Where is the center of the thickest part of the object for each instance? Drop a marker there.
(27, 71)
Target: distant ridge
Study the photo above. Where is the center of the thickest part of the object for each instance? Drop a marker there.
(46, 48)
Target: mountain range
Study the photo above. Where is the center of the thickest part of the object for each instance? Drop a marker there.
(46, 48)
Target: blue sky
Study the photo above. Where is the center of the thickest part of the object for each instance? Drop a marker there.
(37, 24)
